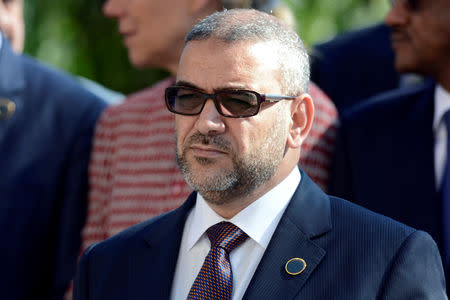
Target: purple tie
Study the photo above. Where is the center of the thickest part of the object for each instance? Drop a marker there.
(215, 279)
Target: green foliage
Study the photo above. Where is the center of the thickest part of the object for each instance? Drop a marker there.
(75, 36)
(319, 20)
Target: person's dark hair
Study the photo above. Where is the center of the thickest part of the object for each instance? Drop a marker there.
(237, 25)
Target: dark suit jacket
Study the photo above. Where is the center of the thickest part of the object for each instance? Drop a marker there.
(355, 65)
(350, 252)
(44, 153)
(385, 158)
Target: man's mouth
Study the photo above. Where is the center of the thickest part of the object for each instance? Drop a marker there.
(206, 151)
(399, 37)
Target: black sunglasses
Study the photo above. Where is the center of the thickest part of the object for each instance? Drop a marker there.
(411, 5)
(229, 103)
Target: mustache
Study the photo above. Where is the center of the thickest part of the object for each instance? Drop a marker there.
(215, 141)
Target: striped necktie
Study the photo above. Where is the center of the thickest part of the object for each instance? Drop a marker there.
(215, 279)
(445, 192)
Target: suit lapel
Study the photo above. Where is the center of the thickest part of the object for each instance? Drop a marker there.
(306, 217)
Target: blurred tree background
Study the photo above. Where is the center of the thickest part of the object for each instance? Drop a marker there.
(75, 36)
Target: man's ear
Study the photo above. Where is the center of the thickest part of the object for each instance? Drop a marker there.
(302, 115)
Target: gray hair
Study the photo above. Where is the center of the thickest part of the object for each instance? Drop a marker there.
(236, 25)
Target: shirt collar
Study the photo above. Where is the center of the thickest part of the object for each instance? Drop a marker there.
(1, 40)
(258, 220)
(441, 105)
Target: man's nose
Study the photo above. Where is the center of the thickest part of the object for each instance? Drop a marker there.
(209, 121)
(113, 8)
(398, 15)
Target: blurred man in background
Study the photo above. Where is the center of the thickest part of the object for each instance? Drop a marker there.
(355, 65)
(46, 126)
(393, 151)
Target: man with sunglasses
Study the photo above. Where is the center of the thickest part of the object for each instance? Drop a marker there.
(257, 227)
(392, 156)
(134, 173)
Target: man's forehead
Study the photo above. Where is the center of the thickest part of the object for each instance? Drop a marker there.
(248, 49)
(214, 64)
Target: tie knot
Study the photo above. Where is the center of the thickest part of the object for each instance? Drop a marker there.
(225, 235)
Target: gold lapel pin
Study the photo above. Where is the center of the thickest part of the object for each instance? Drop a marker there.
(7, 108)
(295, 266)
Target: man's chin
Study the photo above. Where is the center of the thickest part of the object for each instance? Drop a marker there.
(405, 66)
(138, 61)
(405, 61)
(211, 183)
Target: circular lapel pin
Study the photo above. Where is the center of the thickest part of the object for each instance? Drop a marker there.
(295, 266)
(7, 108)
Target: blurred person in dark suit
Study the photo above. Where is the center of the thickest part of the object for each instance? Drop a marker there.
(393, 150)
(46, 126)
(355, 65)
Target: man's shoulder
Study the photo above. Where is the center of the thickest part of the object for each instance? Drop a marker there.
(125, 241)
(396, 104)
(385, 250)
(344, 216)
(153, 229)
(54, 82)
(47, 91)
(350, 217)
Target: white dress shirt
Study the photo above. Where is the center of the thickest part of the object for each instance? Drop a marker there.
(441, 106)
(258, 220)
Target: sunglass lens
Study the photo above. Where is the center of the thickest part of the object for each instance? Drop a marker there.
(185, 101)
(238, 104)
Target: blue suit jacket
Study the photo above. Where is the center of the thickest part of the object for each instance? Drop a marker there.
(350, 252)
(355, 65)
(385, 158)
(44, 153)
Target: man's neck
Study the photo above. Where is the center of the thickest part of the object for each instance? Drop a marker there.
(443, 78)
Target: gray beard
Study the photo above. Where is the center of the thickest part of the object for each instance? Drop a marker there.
(246, 175)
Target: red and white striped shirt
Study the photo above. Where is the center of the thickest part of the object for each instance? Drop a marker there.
(133, 172)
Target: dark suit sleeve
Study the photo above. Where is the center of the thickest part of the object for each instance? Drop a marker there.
(81, 281)
(416, 271)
